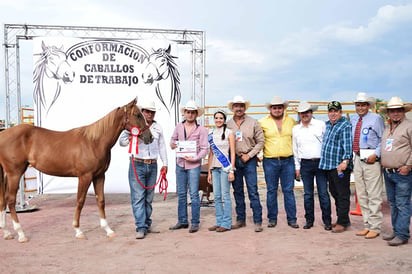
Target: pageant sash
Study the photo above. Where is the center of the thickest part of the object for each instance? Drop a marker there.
(219, 154)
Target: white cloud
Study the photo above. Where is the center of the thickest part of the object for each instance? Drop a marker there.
(229, 52)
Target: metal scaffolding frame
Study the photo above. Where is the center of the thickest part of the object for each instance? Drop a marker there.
(13, 33)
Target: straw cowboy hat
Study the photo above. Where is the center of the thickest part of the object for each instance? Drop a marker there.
(396, 102)
(148, 105)
(363, 98)
(238, 100)
(305, 106)
(191, 105)
(276, 100)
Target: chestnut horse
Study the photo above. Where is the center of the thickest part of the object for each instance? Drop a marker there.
(82, 152)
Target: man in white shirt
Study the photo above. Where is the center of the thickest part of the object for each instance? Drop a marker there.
(143, 170)
(307, 139)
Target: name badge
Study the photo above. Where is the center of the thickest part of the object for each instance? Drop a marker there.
(389, 145)
(238, 136)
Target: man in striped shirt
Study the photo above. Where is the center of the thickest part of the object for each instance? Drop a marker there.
(336, 159)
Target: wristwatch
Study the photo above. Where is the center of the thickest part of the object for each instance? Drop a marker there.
(346, 162)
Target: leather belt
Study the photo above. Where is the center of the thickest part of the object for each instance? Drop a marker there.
(281, 158)
(146, 161)
(391, 170)
(311, 159)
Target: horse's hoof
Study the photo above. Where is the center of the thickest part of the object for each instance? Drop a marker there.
(112, 235)
(81, 237)
(23, 240)
(9, 237)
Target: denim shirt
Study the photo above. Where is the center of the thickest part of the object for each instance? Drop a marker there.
(371, 131)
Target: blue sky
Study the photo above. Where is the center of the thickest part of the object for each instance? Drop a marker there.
(300, 50)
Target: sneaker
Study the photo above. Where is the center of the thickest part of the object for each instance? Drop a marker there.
(258, 228)
(140, 234)
(272, 223)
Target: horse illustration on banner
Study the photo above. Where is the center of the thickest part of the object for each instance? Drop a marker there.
(49, 70)
(161, 66)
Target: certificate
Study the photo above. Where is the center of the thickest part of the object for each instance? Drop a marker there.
(365, 153)
(186, 148)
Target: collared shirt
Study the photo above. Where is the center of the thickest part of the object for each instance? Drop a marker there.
(337, 144)
(371, 131)
(198, 134)
(148, 151)
(249, 136)
(307, 140)
(277, 144)
(396, 146)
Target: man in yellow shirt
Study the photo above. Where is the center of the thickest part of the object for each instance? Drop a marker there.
(278, 162)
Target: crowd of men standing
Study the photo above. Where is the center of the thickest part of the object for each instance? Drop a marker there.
(328, 151)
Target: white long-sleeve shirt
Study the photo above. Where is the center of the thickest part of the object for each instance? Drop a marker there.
(148, 151)
(307, 141)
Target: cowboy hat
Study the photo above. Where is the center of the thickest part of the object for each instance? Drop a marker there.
(238, 100)
(148, 105)
(305, 106)
(191, 105)
(276, 100)
(396, 102)
(363, 98)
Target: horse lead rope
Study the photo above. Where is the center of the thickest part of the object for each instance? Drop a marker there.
(162, 181)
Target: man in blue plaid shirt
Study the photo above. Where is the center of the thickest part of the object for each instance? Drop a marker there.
(336, 159)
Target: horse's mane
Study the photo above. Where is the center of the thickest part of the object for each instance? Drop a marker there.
(38, 76)
(101, 127)
(175, 80)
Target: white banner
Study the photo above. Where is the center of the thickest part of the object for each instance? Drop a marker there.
(78, 81)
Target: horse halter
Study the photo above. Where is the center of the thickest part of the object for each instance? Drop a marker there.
(126, 121)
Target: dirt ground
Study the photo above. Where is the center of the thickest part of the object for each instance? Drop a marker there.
(53, 248)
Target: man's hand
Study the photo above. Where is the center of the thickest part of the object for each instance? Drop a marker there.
(163, 169)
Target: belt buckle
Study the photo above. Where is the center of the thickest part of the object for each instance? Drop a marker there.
(147, 161)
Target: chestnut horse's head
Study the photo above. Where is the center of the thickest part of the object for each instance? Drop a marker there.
(135, 118)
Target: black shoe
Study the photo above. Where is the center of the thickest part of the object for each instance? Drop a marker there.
(293, 225)
(194, 228)
(307, 225)
(272, 223)
(328, 227)
(178, 226)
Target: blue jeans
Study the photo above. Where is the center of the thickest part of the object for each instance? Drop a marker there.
(308, 170)
(223, 202)
(398, 190)
(285, 170)
(248, 171)
(141, 199)
(185, 178)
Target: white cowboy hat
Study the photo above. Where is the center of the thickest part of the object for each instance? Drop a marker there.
(305, 106)
(238, 100)
(363, 98)
(396, 102)
(148, 105)
(276, 100)
(191, 105)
